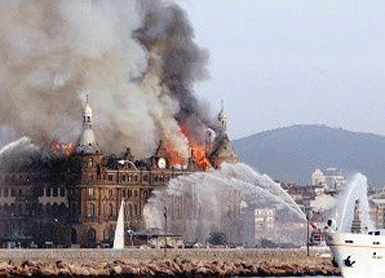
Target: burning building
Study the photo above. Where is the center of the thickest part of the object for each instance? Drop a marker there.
(74, 197)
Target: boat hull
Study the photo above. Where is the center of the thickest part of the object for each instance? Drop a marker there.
(358, 255)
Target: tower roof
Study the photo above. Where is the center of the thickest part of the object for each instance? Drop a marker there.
(87, 110)
(222, 113)
(87, 143)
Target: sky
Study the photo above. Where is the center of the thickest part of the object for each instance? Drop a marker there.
(277, 63)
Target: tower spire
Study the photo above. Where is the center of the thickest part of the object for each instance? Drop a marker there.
(222, 119)
(87, 142)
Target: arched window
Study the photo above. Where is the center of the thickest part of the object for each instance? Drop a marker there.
(74, 237)
(55, 192)
(91, 236)
(62, 192)
(91, 210)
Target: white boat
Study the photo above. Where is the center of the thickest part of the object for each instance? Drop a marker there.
(358, 255)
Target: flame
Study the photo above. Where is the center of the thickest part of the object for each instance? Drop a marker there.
(200, 155)
(174, 158)
(63, 148)
(197, 150)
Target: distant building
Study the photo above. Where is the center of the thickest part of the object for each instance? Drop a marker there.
(331, 180)
(377, 208)
(264, 218)
(318, 178)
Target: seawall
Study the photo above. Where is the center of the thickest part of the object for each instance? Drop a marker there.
(156, 263)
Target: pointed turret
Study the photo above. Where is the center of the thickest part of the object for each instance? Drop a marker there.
(222, 150)
(87, 143)
(222, 119)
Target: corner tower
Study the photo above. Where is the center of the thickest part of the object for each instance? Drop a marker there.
(223, 150)
(87, 143)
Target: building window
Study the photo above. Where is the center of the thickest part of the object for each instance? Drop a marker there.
(91, 192)
(48, 192)
(91, 210)
(13, 193)
(110, 193)
(124, 178)
(6, 192)
(129, 210)
(135, 193)
(145, 177)
(62, 192)
(136, 178)
(129, 193)
(124, 193)
(130, 178)
(110, 177)
(111, 210)
(55, 192)
(105, 234)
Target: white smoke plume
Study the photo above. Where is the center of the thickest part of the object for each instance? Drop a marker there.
(136, 60)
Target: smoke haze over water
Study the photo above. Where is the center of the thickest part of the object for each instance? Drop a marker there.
(136, 59)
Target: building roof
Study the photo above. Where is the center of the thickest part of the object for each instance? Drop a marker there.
(323, 202)
(87, 143)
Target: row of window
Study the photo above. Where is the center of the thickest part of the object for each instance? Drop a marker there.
(130, 178)
(125, 193)
(130, 210)
(33, 210)
(53, 191)
(9, 192)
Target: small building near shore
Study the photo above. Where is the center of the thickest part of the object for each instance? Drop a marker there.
(172, 241)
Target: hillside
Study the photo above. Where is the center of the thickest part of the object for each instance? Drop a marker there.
(293, 153)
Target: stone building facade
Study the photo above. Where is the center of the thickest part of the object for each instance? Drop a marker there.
(76, 199)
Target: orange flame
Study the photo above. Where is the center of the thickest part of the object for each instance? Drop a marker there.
(62, 148)
(175, 158)
(200, 155)
(197, 150)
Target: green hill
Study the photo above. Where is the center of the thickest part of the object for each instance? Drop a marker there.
(293, 153)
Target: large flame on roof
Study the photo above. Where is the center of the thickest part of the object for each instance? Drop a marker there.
(65, 149)
(198, 151)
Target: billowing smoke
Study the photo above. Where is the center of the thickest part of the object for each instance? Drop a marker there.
(136, 59)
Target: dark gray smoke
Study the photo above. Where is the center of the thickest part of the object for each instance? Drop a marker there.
(136, 59)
